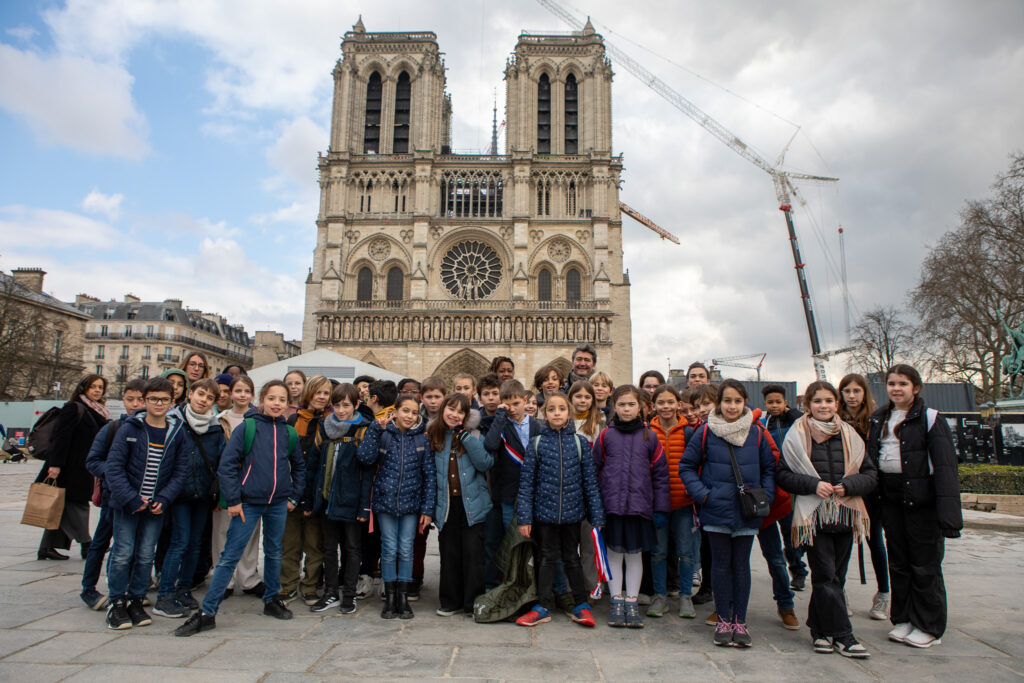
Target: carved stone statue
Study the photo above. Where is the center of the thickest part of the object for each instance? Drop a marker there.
(1013, 363)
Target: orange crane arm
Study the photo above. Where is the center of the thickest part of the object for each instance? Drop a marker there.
(647, 222)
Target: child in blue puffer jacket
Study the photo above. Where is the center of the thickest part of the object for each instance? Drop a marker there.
(403, 491)
(557, 489)
(342, 497)
(262, 476)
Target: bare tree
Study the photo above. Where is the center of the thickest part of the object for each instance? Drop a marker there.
(883, 338)
(972, 273)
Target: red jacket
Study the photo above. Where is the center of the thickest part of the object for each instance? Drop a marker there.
(781, 505)
(674, 444)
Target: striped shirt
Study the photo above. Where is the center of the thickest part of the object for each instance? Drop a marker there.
(154, 454)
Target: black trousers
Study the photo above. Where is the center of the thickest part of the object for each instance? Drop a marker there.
(371, 551)
(829, 558)
(916, 548)
(554, 541)
(462, 559)
(349, 536)
(705, 562)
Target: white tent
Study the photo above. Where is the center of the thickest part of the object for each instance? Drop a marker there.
(319, 362)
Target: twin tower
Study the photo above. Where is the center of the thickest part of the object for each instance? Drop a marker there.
(431, 262)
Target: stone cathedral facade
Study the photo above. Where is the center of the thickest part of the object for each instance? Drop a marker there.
(431, 262)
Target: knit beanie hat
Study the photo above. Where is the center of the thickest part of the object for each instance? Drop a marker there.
(176, 371)
(224, 378)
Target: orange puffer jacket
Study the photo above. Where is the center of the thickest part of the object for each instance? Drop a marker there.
(674, 443)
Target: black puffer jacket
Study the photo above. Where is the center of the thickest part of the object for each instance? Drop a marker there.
(920, 444)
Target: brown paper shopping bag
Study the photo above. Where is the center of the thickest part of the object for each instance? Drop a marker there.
(44, 506)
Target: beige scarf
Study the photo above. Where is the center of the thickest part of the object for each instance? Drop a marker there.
(812, 511)
(735, 432)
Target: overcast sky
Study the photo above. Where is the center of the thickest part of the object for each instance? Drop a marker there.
(169, 148)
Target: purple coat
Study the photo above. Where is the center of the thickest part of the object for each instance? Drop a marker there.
(632, 473)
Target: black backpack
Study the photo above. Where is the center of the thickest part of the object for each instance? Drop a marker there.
(40, 439)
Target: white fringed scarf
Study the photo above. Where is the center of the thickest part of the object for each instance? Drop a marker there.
(812, 511)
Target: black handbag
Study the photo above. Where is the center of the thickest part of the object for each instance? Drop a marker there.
(753, 501)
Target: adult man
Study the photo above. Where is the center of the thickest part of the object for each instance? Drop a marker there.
(584, 358)
(696, 374)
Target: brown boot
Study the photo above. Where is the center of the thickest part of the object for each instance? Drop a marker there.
(789, 620)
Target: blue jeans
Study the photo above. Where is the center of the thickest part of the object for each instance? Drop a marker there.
(239, 533)
(187, 521)
(397, 536)
(131, 558)
(687, 546)
(771, 547)
(794, 553)
(98, 549)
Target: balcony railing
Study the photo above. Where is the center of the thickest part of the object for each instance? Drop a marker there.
(175, 338)
(168, 358)
(460, 306)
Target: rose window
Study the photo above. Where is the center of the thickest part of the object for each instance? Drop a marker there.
(471, 270)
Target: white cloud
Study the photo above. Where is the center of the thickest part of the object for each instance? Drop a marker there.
(53, 230)
(73, 101)
(107, 204)
(23, 33)
(294, 153)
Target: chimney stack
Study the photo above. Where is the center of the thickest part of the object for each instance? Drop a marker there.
(32, 278)
(131, 299)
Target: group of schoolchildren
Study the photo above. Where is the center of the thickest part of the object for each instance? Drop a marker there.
(657, 490)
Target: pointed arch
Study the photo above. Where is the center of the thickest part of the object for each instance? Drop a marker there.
(571, 122)
(462, 361)
(374, 96)
(403, 113)
(544, 114)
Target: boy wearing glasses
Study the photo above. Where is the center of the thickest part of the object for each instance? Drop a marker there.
(145, 471)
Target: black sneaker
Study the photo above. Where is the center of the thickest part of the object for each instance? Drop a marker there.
(325, 603)
(170, 608)
(196, 623)
(413, 593)
(186, 600)
(94, 599)
(258, 590)
(137, 614)
(285, 598)
(848, 646)
(310, 598)
(117, 615)
(277, 609)
(702, 596)
(798, 583)
(228, 592)
(348, 604)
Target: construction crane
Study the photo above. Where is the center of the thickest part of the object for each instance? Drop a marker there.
(730, 362)
(647, 222)
(782, 180)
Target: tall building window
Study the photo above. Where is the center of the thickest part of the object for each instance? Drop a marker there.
(396, 280)
(544, 285)
(145, 372)
(371, 135)
(99, 370)
(364, 284)
(544, 115)
(403, 108)
(571, 115)
(573, 285)
(124, 351)
(103, 330)
(100, 352)
(145, 353)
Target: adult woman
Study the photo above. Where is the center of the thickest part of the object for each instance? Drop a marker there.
(79, 421)
(196, 366)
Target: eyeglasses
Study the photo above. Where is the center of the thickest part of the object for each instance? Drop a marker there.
(196, 364)
(157, 401)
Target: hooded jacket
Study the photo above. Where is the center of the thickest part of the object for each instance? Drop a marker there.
(779, 426)
(346, 483)
(503, 443)
(925, 439)
(268, 474)
(404, 483)
(200, 472)
(706, 469)
(558, 483)
(633, 472)
(126, 463)
(473, 465)
(307, 424)
(674, 443)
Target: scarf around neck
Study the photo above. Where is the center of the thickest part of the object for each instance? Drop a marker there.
(734, 432)
(811, 511)
(199, 422)
(95, 406)
(629, 427)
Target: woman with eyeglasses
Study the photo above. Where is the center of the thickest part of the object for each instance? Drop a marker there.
(77, 425)
(196, 366)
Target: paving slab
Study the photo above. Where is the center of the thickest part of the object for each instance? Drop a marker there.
(12, 578)
(105, 673)
(573, 665)
(694, 666)
(264, 655)
(37, 673)
(158, 650)
(13, 640)
(393, 661)
(64, 647)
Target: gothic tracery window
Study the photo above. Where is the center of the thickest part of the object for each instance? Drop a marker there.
(471, 270)
(371, 134)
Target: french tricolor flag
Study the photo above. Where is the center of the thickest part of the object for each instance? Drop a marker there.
(604, 570)
(517, 458)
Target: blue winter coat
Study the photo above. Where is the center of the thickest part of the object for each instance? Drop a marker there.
(558, 483)
(633, 473)
(96, 460)
(713, 484)
(126, 464)
(269, 473)
(473, 465)
(200, 473)
(348, 492)
(404, 483)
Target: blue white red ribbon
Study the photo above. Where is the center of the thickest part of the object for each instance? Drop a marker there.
(604, 570)
(517, 458)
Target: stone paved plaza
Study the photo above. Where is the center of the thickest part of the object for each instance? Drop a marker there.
(47, 634)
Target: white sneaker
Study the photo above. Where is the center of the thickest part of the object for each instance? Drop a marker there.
(919, 638)
(900, 632)
(879, 607)
(696, 578)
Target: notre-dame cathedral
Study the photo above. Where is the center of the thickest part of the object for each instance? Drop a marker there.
(432, 262)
